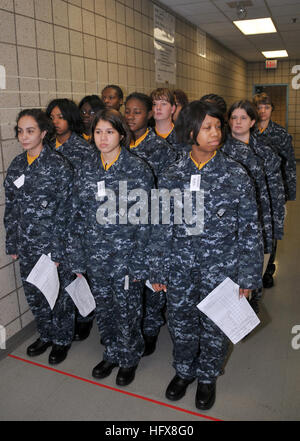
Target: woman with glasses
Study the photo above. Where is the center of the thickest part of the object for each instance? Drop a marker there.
(88, 107)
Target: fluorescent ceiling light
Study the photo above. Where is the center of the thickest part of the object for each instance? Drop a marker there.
(256, 26)
(275, 54)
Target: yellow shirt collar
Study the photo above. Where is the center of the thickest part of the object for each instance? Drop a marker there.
(164, 135)
(139, 140)
(58, 144)
(201, 164)
(107, 166)
(87, 137)
(30, 159)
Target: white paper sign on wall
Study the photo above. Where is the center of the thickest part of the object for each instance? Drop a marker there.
(2, 77)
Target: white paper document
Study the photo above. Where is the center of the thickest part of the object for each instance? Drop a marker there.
(81, 295)
(44, 276)
(232, 314)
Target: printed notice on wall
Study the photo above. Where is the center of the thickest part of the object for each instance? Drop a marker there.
(165, 63)
(164, 26)
(164, 46)
(201, 43)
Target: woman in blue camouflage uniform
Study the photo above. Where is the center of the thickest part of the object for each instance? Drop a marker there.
(163, 108)
(276, 137)
(190, 260)
(237, 147)
(145, 143)
(242, 145)
(108, 241)
(112, 96)
(70, 143)
(159, 155)
(38, 187)
(69, 127)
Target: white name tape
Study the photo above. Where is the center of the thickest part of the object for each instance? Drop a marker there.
(20, 181)
(101, 188)
(195, 183)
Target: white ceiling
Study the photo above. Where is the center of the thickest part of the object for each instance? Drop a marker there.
(215, 17)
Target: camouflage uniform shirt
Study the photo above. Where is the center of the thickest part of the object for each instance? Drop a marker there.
(280, 140)
(242, 153)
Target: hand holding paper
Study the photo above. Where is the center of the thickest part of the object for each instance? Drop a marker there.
(81, 295)
(230, 312)
(45, 277)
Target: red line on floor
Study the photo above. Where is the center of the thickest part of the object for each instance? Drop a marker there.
(114, 389)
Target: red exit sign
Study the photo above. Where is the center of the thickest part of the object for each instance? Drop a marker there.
(271, 64)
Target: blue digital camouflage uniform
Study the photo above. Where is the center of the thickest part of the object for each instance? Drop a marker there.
(76, 149)
(159, 155)
(35, 220)
(157, 152)
(192, 265)
(272, 169)
(177, 146)
(243, 154)
(110, 250)
(280, 140)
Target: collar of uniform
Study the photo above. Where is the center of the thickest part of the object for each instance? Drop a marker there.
(187, 166)
(73, 138)
(58, 144)
(31, 159)
(138, 141)
(202, 164)
(107, 166)
(43, 153)
(266, 130)
(235, 145)
(87, 137)
(164, 135)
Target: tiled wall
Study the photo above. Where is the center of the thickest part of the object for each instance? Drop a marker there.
(257, 74)
(59, 48)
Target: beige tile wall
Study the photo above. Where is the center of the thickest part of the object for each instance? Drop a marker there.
(59, 48)
(257, 74)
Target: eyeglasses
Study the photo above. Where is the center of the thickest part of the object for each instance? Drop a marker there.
(90, 113)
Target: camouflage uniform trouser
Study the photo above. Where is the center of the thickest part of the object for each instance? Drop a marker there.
(119, 315)
(200, 347)
(153, 316)
(55, 325)
(272, 257)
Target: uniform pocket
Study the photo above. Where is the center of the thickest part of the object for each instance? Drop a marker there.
(223, 222)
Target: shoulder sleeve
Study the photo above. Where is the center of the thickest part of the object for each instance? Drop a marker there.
(11, 213)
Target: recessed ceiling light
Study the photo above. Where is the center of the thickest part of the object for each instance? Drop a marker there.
(256, 26)
(275, 54)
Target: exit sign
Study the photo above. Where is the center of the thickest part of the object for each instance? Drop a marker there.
(271, 64)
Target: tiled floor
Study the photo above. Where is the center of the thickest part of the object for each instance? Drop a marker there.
(261, 380)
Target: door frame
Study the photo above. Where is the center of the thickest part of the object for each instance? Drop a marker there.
(286, 98)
